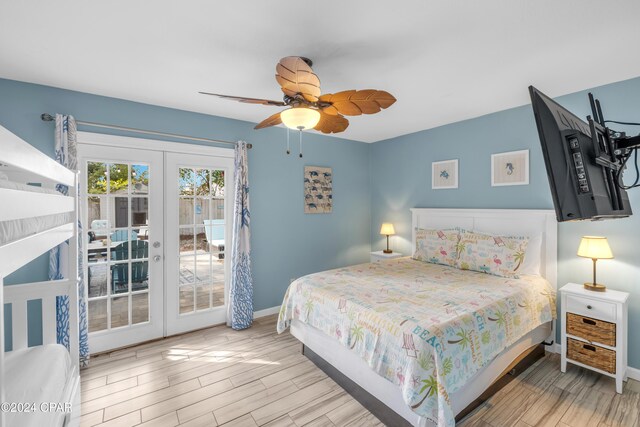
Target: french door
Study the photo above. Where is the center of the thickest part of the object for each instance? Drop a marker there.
(198, 217)
(157, 227)
(123, 218)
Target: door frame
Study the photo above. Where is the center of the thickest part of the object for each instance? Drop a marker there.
(128, 142)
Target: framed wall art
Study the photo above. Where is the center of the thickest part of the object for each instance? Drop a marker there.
(511, 168)
(318, 190)
(444, 174)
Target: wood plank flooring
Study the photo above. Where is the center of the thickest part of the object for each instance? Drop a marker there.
(221, 377)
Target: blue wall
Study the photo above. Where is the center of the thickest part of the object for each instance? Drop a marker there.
(286, 242)
(401, 179)
(372, 183)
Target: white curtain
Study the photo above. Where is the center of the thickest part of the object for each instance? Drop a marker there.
(240, 309)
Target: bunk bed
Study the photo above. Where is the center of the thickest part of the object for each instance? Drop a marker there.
(40, 383)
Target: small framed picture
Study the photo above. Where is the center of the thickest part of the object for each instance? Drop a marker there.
(444, 174)
(318, 190)
(510, 168)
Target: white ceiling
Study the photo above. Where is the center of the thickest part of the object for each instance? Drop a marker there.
(444, 61)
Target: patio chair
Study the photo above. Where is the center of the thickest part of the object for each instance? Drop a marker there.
(121, 235)
(139, 270)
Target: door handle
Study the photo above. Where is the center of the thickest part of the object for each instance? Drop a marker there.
(157, 258)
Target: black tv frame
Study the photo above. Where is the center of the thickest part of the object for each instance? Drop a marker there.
(583, 145)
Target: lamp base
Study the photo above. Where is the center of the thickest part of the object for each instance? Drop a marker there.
(597, 287)
(387, 251)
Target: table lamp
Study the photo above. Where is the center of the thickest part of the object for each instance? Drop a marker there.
(596, 248)
(387, 230)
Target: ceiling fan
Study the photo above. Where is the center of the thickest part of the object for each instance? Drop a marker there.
(308, 108)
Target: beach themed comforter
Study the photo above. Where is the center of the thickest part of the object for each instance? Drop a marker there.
(427, 328)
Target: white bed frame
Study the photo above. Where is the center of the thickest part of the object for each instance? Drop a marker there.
(25, 164)
(503, 221)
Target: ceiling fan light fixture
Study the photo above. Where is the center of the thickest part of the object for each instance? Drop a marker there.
(300, 118)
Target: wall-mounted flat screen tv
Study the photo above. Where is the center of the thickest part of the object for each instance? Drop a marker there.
(582, 166)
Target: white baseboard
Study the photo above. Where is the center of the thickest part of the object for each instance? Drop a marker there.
(632, 373)
(555, 348)
(266, 312)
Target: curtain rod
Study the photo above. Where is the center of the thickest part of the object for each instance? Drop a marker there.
(46, 117)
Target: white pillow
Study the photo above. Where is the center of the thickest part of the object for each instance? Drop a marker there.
(533, 256)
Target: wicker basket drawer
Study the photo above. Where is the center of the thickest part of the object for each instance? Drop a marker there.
(592, 355)
(592, 330)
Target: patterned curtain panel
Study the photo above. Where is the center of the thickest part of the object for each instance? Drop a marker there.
(67, 155)
(240, 309)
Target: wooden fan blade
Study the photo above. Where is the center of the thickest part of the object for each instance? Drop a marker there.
(356, 102)
(273, 120)
(296, 77)
(331, 123)
(247, 100)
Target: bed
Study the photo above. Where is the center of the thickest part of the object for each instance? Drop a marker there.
(427, 342)
(40, 380)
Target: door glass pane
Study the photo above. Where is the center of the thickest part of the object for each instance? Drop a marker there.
(97, 279)
(203, 297)
(119, 212)
(186, 299)
(97, 210)
(139, 211)
(186, 241)
(201, 210)
(200, 239)
(119, 248)
(119, 312)
(186, 211)
(203, 267)
(140, 275)
(139, 249)
(187, 268)
(98, 315)
(119, 179)
(140, 308)
(120, 278)
(139, 179)
(202, 181)
(186, 180)
(96, 178)
(218, 293)
(217, 184)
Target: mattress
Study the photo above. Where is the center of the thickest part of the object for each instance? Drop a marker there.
(36, 375)
(19, 228)
(388, 393)
(428, 329)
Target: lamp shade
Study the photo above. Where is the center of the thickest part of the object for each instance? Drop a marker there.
(300, 118)
(594, 247)
(387, 229)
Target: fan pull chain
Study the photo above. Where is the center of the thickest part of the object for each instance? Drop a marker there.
(288, 148)
(300, 143)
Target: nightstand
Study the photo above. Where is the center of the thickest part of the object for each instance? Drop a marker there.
(379, 256)
(594, 330)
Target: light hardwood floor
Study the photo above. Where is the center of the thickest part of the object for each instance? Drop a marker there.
(256, 377)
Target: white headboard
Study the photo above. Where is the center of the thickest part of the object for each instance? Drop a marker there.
(521, 222)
